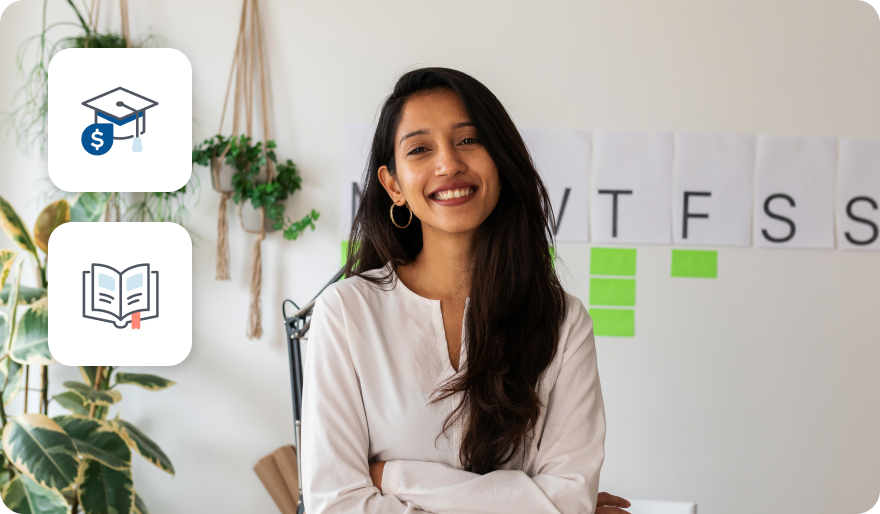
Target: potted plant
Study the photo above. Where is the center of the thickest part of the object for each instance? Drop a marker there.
(76, 461)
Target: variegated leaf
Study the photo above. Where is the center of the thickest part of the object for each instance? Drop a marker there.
(12, 311)
(88, 374)
(10, 379)
(7, 257)
(26, 295)
(139, 506)
(149, 382)
(143, 444)
(91, 396)
(30, 342)
(105, 490)
(95, 440)
(72, 402)
(14, 228)
(89, 206)
(40, 449)
(54, 215)
(24, 496)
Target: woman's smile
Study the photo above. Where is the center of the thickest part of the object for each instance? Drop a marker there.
(453, 193)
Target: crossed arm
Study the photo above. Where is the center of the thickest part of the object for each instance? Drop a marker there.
(337, 476)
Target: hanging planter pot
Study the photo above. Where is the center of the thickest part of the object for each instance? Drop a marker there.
(251, 216)
(246, 171)
(221, 175)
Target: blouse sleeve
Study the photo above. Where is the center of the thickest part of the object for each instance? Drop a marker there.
(335, 438)
(570, 455)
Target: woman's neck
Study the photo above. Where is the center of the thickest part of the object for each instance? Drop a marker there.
(442, 271)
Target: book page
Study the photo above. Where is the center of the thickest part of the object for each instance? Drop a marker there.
(135, 285)
(106, 290)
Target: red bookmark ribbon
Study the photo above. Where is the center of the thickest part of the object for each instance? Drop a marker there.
(136, 320)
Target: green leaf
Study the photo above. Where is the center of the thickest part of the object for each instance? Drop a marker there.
(14, 228)
(143, 444)
(88, 373)
(40, 449)
(26, 295)
(30, 342)
(105, 490)
(7, 257)
(149, 382)
(94, 439)
(12, 311)
(139, 506)
(72, 402)
(10, 379)
(24, 496)
(91, 396)
(54, 215)
(89, 206)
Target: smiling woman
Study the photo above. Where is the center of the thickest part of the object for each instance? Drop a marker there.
(451, 372)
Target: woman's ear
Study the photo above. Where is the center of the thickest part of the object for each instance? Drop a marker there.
(389, 182)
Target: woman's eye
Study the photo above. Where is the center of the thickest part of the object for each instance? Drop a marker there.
(418, 150)
(469, 141)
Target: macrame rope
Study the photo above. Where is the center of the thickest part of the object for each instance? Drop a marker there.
(247, 57)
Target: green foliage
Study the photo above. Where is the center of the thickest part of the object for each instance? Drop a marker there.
(30, 341)
(47, 464)
(95, 440)
(29, 116)
(139, 442)
(248, 159)
(148, 382)
(94, 396)
(24, 496)
(106, 490)
(297, 227)
(40, 449)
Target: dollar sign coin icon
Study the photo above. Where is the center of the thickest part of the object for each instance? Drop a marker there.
(99, 142)
(97, 138)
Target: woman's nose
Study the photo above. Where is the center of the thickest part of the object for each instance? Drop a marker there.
(448, 161)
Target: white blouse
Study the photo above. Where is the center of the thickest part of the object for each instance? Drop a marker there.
(375, 355)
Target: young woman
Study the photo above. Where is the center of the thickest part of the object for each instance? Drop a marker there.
(451, 372)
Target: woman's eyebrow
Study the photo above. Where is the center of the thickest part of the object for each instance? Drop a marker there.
(420, 132)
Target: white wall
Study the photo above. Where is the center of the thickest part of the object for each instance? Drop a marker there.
(756, 392)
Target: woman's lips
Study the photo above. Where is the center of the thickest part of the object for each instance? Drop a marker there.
(456, 196)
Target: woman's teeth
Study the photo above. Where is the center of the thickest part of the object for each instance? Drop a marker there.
(453, 193)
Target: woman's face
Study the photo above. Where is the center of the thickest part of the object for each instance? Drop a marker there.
(443, 170)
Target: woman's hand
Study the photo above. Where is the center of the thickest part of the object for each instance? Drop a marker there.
(605, 504)
(376, 469)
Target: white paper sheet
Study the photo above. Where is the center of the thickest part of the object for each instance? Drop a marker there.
(562, 157)
(858, 203)
(795, 183)
(713, 185)
(638, 166)
(356, 141)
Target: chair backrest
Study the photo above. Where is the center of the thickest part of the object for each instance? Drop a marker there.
(661, 507)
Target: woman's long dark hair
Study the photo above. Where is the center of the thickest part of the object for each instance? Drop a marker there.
(517, 303)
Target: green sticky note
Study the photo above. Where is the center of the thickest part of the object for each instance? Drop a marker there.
(614, 322)
(695, 263)
(613, 291)
(613, 261)
(344, 252)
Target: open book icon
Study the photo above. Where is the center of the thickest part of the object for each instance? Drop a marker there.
(121, 297)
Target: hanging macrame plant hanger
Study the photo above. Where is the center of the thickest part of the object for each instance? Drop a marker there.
(248, 56)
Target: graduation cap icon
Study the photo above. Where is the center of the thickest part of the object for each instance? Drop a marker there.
(120, 107)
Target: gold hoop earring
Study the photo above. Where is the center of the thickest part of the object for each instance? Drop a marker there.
(392, 216)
